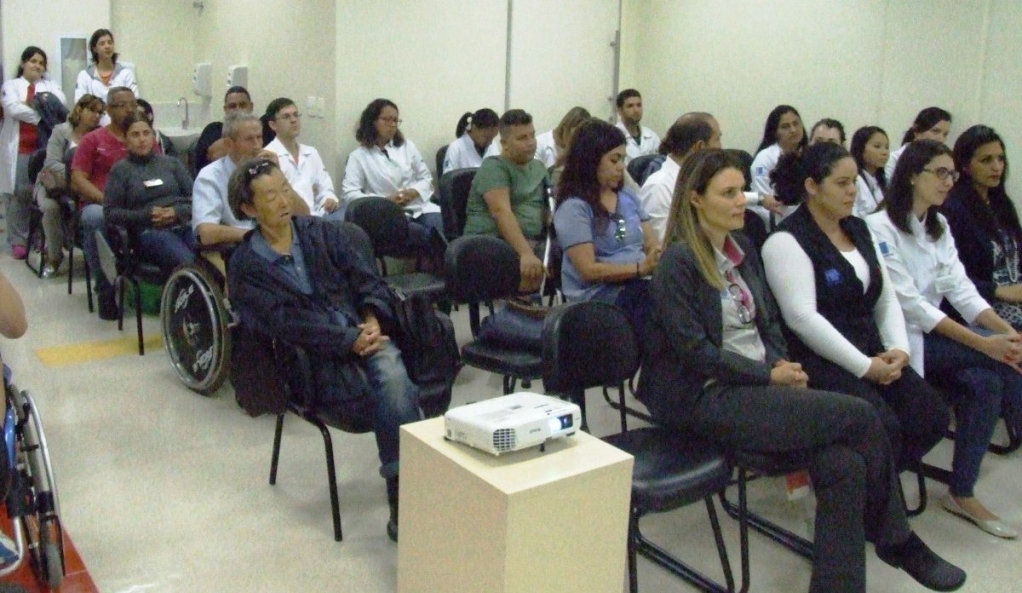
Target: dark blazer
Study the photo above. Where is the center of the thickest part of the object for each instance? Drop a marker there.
(974, 240)
(682, 346)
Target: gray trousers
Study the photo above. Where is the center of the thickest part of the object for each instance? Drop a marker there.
(18, 204)
(53, 228)
(857, 493)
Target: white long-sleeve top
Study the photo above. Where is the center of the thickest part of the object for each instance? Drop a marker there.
(89, 83)
(13, 95)
(892, 162)
(648, 142)
(764, 163)
(924, 272)
(789, 272)
(657, 194)
(308, 175)
(372, 172)
(462, 154)
(546, 149)
(870, 195)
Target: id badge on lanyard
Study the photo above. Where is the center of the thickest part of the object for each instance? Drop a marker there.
(945, 281)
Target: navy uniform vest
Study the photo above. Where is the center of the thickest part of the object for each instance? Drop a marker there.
(839, 292)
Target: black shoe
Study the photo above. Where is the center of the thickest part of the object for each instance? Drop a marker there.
(107, 304)
(923, 564)
(392, 489)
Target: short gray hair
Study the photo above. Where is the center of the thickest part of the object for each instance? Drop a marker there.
(234, 122)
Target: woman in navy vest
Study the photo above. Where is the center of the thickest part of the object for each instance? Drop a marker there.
(844, 320)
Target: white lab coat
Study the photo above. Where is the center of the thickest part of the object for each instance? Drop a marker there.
(914, 263)
(546, 149)
(764, 163)
(870, 195)
(14, 93)
(370, 172)
(657, 194)
(648, 143)
(462, 154)
(88, 83)
(892, 161)
(308, 176)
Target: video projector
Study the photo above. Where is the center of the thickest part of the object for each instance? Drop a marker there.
(512, 422)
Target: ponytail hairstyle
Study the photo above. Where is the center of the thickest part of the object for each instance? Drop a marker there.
(815, 162)
(926, 119)
(484, 118)
(899, 195)
(860, 139)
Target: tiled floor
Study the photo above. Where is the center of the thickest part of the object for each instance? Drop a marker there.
(166, 491)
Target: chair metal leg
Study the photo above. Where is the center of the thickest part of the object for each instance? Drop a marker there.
(786, 538)
(1014, 442)
(335, 505)
(276, 449)
(138, 315)
(88, 285)
(119, 282)
(633, 552)
(921, 481)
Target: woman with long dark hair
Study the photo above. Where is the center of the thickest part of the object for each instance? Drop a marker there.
(103, 73)
(714, 364)
(932, 123)
(475, 133)
(979, 367)
(870, 149)
(783, 133)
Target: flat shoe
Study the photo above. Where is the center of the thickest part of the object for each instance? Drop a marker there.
(923, 564)
(994, 527)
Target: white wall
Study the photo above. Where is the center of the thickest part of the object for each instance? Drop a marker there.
(158, 36)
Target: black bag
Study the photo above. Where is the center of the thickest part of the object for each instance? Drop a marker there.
(429, 350)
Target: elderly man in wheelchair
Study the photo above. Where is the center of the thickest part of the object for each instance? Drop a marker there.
(303, 281)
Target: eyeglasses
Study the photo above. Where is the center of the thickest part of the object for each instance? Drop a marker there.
(621, 233)
(391, 120)
(943, 173)
(290, 116)
(739, 296)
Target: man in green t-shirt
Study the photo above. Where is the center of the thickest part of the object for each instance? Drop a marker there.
(507, 199)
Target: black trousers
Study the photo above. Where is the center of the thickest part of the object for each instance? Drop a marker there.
(857, 494)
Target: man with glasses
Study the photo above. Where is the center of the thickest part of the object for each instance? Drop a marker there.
(96, 154)
(508, 196)
(300, 163)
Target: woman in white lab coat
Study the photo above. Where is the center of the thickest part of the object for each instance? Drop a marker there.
(782, 133)
(19, 139)
(104, 72)
(932, 123)
(390, 166)
(978, 363)
(870, 149)
(475, 133)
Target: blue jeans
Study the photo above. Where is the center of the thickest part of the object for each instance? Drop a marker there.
(168, 248)
(92, 221)
(978, 387)
(397, 403)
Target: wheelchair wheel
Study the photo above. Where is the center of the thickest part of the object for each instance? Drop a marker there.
(41, 523)
(195, 328)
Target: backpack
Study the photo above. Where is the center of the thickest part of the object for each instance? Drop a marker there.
(429, 350)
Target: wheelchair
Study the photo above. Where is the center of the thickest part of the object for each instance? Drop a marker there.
(197, 321)
(32, 502)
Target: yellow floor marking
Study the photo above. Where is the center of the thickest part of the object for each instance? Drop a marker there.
(91, 351)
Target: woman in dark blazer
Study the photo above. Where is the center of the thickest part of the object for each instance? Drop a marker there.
(714, 365)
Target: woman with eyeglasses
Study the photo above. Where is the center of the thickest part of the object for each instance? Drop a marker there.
(609, 247)
(84, 118)
(932, 123)
(979, 366)
(151, 195)
(388, 165)
(846, 326)
(715, 365)
(984, 222)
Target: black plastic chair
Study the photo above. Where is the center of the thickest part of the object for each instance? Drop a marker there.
(453, 197)
(123, 265)
(637, 167)
(481, 269)
(36, 240)
(592, 344)
(746, 160)
(73, 235)
(441, 154)
(386, 224)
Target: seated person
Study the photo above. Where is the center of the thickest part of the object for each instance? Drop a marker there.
(96, 155)
(508, 197)
(870, 149)
(301, 280)
(552, 145)
(690, 133)
(151, 195)
(984, 222)
(640, 140)
(981, 361)
(301, 163)
(166, 144)
(390, 166)
(782, 133)
(609, 246)
(714, 365)
(211, 146)
(932, 123)
(84, 118)
(827, 130)
(846, 324)
(475, 133)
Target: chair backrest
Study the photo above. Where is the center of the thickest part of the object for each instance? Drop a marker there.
(359, 239)
(481, 268)
(35, 164)
(454, 189)
(69, 158)
(746, 159)
(637, 167)
(383, 221)
(441, 153)
(587, 344)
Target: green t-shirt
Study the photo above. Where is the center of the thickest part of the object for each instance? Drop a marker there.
(527, 199)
